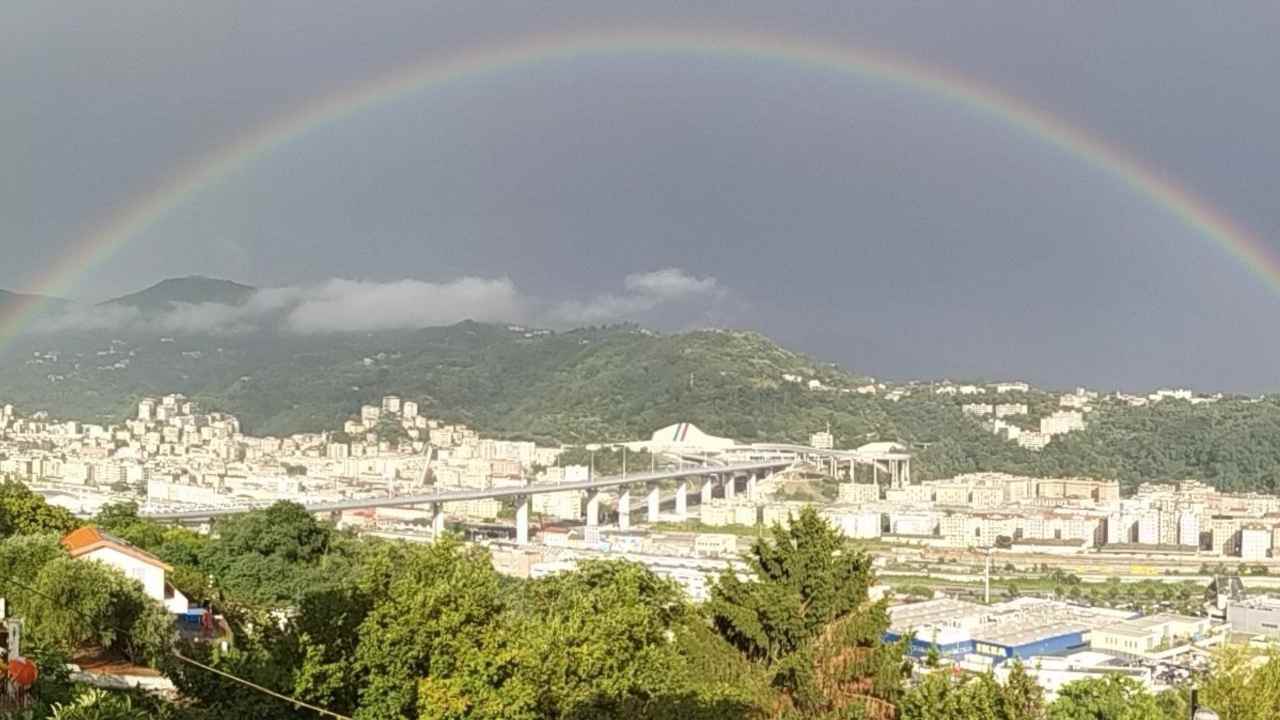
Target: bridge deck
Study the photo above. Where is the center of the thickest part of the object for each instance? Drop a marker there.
(609, 481)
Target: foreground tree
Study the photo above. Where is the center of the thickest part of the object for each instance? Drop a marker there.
(806, 618)
(1113, 697)
(23, 512)
(943, 696)
(1238, 688)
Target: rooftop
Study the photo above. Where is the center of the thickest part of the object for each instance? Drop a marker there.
(87, 539)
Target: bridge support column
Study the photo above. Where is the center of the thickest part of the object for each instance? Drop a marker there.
(751, 486)
(522, 519)
(654, 501)
(730, 486)
(624, 509)
(682, 499)
(906, 472)
(708, 484)
(437, 521)
(593, 508)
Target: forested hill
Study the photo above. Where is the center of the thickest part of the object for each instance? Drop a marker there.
(622, 383)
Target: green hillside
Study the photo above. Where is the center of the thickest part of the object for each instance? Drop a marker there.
(622, 383)
(192, 290)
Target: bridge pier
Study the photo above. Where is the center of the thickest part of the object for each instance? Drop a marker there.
(708, 484)
(593, 508)
(730, 486)
(522, 519)
(654, 501)
(751, 486)
(682, 499)
(624, 509)
(437, 520)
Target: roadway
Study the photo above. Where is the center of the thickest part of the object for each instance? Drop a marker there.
(435, 498)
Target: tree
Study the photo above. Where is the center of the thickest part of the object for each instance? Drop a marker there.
(1022, 698)
(807, 619)
(78, 603)
(944, 696)
(23, 512)
(1112, 697)
(595, 643)
(439, 607)
(271, 556)
(1240, 690)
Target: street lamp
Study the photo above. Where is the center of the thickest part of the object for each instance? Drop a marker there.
(1198, 712)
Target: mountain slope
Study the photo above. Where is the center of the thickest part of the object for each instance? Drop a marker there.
(622, 383)
(12, 302)
(192, 290)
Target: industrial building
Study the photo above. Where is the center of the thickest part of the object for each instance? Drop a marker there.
(1021, 628)
(1256, 615)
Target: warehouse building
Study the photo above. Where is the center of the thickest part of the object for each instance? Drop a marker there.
(1020, 628)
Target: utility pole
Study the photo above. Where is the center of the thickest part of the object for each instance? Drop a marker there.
(986, 580)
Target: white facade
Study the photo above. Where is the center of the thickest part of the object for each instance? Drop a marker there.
(151, 573)
(1255, 542)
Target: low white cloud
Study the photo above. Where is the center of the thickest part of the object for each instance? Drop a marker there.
(643, 293)
(346, 305)
(342, 305)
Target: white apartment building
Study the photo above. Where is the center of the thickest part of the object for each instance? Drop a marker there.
(1255, 542)
(1189, 528)
(857, 493)
(560, 505)
(1008, 409)
(914, 523)
(1149, 527)
(1033, 440)
(858, 524)
(1063, 421)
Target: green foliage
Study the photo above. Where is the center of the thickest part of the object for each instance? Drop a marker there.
(439, 607)
(1238, 688)
(606, 460)
(77, 603)
(622, 383)
(23, 512)
(94, 704)
(806, 616)
(271, 557)
(1112, 697)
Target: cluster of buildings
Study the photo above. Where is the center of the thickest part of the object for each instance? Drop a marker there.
(173, 455)
(1194, 517)
(1042, 515)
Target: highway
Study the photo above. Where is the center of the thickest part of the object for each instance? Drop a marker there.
(609, 481)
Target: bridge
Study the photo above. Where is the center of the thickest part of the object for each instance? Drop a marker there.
(894, 463)
(708, 476)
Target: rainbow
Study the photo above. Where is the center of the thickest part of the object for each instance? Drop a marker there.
(128, 222)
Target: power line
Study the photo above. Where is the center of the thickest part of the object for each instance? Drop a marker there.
(183, 658)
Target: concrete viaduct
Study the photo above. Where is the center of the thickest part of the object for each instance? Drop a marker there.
(707, 478)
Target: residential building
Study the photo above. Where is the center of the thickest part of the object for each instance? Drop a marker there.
(90, 543)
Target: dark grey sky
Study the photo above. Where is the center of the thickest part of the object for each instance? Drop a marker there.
(897, 234)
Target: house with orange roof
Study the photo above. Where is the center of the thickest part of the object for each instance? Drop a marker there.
(90, 543)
